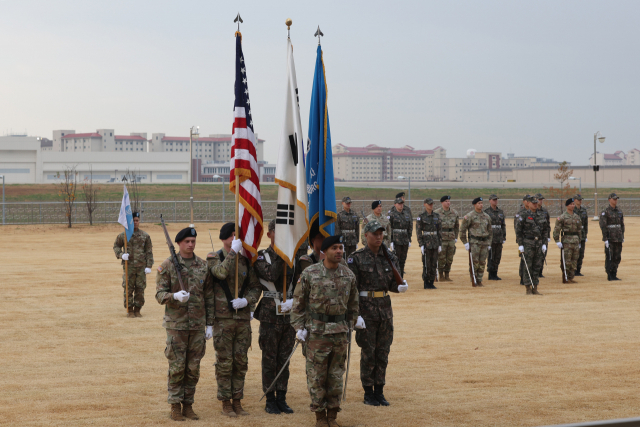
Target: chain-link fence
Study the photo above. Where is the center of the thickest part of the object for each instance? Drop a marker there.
(216, 211)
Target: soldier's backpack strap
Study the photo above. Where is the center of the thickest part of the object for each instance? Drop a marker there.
(225, 287)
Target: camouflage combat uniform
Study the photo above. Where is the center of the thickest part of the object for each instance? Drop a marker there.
(375, 280)
(545, 212)
(232, 329)
(450, 230)
(428, 230)
(499, 230)
(348, 225)
(305, 261)
(384, 221)
(571, 227)
(401, 233)
(612, 226)
(185, 323)
(517, 216)
(480, 234)
(276, 335)
(531, 233)
(584, 217)
(324, 302)
(140, 257)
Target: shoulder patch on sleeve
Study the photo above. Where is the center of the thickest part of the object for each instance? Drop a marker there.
(418, 218)
(465, 217)
(388, 217)
(160, 269)
(602, 213)
(349, 260)
(260, 257)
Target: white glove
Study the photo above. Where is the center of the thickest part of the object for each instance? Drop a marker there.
(360, 323)
(208, 334)
(286, 306)
(466, 246)
(559, 245)
(586, 240)
(236, 245)
(544, 248)
(606, 243)
(251, 315)
(409, 244)
(301, 334)
(521, 249)
(548, 239)
(456, 241)
(125, 257)
(439, 249)
(239, 303)
(181, 296)
(147, 270)
(422, 249)
(622, 240)
(504, 241)
(391, 246)
(579, 246)
(403, 288)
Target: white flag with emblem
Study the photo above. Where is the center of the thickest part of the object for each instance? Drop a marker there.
(292, 223)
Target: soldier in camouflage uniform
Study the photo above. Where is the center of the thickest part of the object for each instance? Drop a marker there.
(376, 215)
(584, 217)
(405, 207)
(374, 328)
(524, 207)
(450, 222)
(545, 212)
(499, 237)
(478, 225)
(568, 228)
(612, 226)
(186, 313)
(428, 229)
(232, 330)
(140, 260)
(348, 226)
(401, 232)
(531, 232)
(315, 239)
(324, 302)
(276, 335)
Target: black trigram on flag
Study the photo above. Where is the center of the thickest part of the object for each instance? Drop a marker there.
(285, 214)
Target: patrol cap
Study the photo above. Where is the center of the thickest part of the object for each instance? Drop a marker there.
(400, 194)
(444, 198)
(568, 202)
(476, 200)
(376, 203)
(373, 226)
(578, 197)
(493, 197)
(346, 199)
(540, 196)
(428, 201)
(227, 230)
(613, 196)
(272, 225)
(533, 199)
(399, 200)
(527, 197)
(184, 233)
(330, 241)
(136, 214)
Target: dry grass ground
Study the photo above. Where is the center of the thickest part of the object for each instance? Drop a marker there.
(461, 356)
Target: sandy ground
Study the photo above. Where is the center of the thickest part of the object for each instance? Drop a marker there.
(461, 356)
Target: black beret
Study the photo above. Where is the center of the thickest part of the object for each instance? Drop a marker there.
(401, 194)
(184, 233)
(476, 200)
(330, 241)
(313, 232)
(444, 198)
(568, 202)
(227, 230)
(376, 204)
(136, 214)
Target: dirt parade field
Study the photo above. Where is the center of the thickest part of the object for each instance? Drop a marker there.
(461, 356)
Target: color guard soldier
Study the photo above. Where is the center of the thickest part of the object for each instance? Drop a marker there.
(584, 217)
(499, 236)
(348, 226)
(612, 226)
(430, 240)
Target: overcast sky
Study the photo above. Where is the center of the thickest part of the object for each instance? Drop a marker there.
(534, 78)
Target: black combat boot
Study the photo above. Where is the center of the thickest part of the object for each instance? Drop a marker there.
(431, 285)
(490, 275)
(578, 272)
(272, 407)
(281, 401)
(378, 393)
(614, 276)
(426, 284)
(495, 275)
(369, 397)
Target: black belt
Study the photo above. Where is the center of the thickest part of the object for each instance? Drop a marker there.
(532, 238)
(447, 229)
(572, 234)
(481, 239)
(330, 319)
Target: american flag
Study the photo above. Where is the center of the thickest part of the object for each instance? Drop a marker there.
(244, 164)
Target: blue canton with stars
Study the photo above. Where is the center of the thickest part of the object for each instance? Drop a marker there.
(241, 87)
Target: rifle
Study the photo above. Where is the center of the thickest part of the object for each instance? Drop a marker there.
(437, 267)
(425, 271)
(396, 274)
(174, 258)
(346, 376)
(564, 267)
(474, 282)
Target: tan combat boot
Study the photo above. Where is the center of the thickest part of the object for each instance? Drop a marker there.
(529, 292)
(176, 412)
(136, 312)
(187, 412)
(534, 290)
(237, 407)
(227, 409)
(446, 277)
(332, 414)
(321, 419)
(480, 285)
(130, 313)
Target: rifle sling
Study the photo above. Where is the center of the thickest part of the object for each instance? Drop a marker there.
(225, 287)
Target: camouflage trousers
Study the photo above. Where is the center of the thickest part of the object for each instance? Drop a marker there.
(184, 351)
(326, 356)
(429, 265)
(534, 259)
(276, 342)
(137, 285)
(231, 340)
(479, 253)
(583, 244)
(401, 252)
(375, 344)
(571, 254)
(495, 256)
(445, 258)
(613, 256)
(349, 249)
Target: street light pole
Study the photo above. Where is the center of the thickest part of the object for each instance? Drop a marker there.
(595, 172)
(3, 205)
(191, 135)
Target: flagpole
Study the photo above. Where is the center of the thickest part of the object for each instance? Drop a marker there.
(126, 273)
(284, 285)
(237, 228)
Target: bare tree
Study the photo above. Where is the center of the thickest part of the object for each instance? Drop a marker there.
(134, 190)
(90, 195)
(67, 185)
(563, 176)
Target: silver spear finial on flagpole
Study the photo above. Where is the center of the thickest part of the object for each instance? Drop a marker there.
(288, 23)
(238, 20)
(318, 34)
